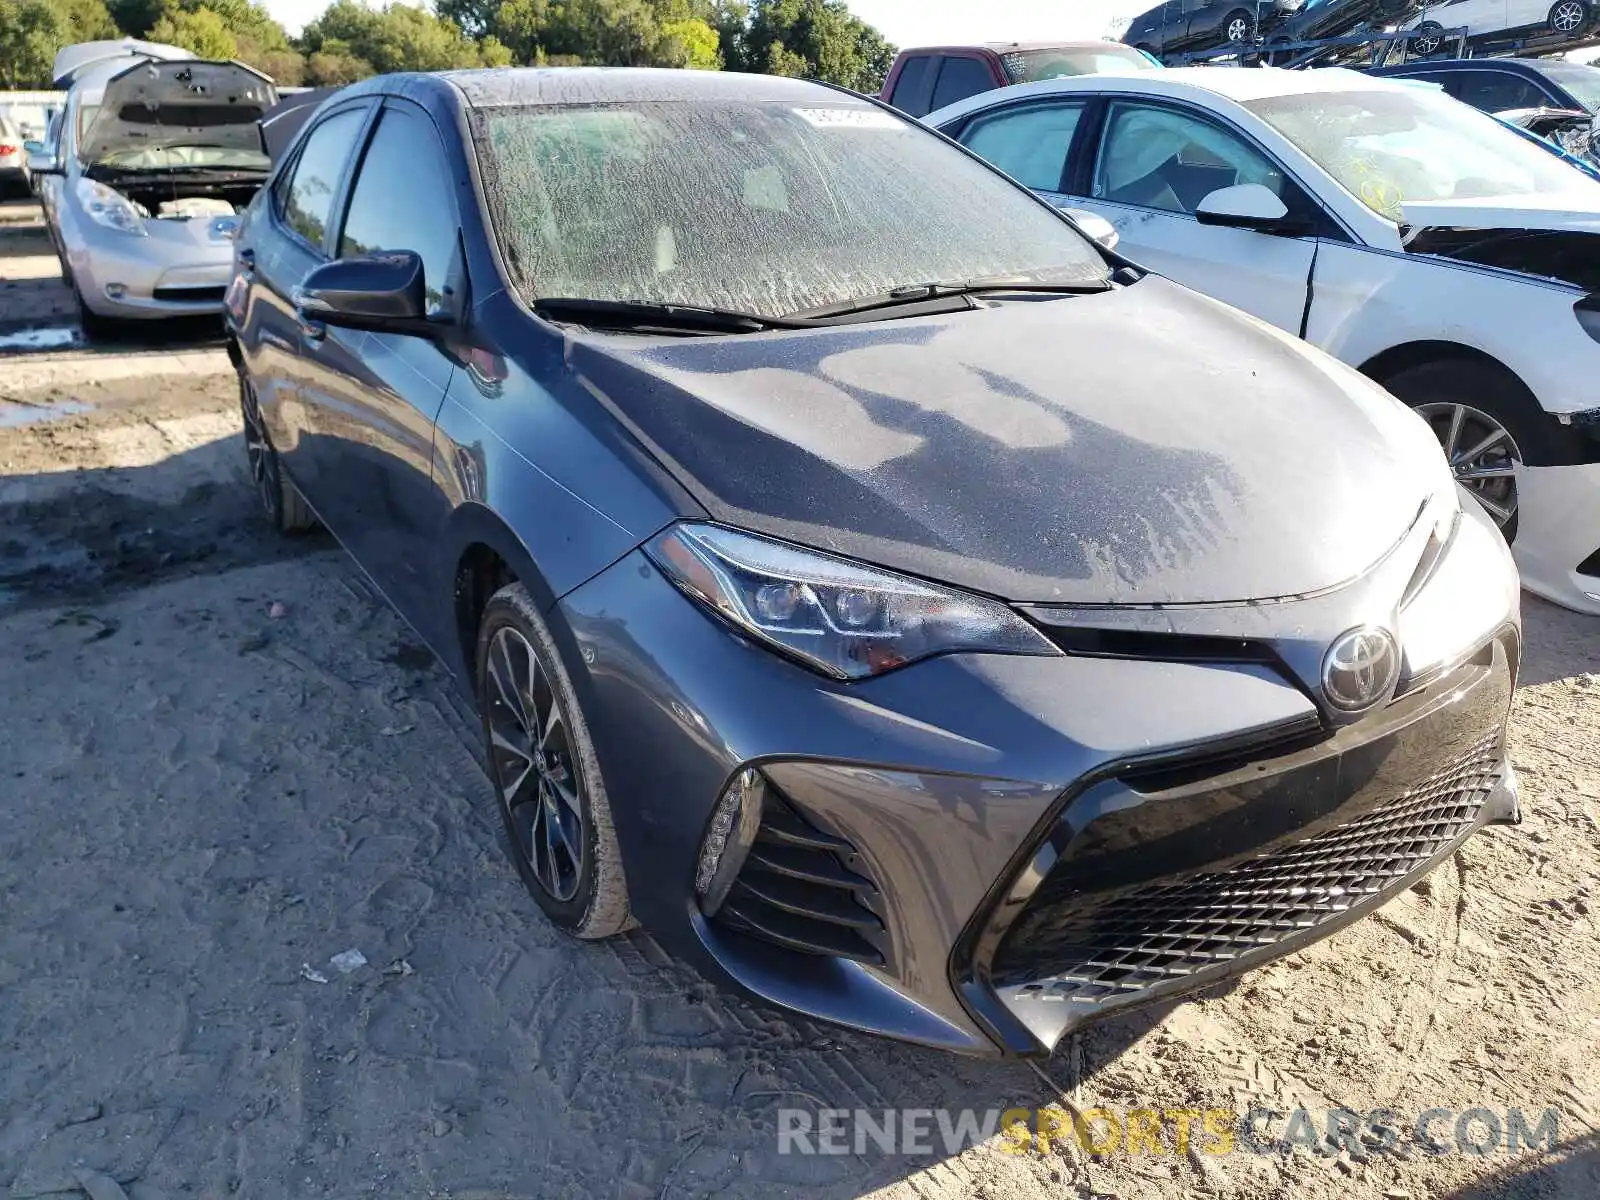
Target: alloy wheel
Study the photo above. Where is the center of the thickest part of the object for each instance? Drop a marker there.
(1482, 454)
(1238, 28)
(531, 753)
(1568, 16)
(263, 469)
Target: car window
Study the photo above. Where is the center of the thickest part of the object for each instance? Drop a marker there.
(908, 84)
(401, 199)
(771, 208)
(1170, 160)
(1387, 147)
(958, 79)
(1498, 91)
(1028, 144)
(309, 199)
(1063, 62)
(1581, 82)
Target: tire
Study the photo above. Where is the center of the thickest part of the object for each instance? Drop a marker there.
(1569, 18)
(520, 675)
(1428, 38)
(1239, 27)
(1487, 395)
(97, 328)
(282, 504)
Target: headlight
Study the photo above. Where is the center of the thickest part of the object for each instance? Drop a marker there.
(110, 208)
(1471, 591)
(836, 616)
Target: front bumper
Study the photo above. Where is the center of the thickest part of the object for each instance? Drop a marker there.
(156, 278)
(1557, 547)
(939, 799)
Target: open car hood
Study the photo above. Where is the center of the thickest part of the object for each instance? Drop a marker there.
(1577, 212)
(72, 61)
(165, 105)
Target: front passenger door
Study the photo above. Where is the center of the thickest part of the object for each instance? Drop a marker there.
(379, 393)
(1154, 167)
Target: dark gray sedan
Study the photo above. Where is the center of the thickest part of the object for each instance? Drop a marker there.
(909, 610)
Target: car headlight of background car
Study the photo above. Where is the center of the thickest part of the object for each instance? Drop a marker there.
(839, 617)
(108, 207)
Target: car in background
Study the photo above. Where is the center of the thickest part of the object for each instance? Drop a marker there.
(1495, 85)
(930, 77)
(155, 158)
(1489, 21)
(1334, 18)
(14, 177)
(1187, 26)
(1423, 243)
(931, 624)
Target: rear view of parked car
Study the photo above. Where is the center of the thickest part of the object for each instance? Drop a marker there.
(818, 618)
(923, 79)
(14, 177)
(155, 158)
(1424, 243)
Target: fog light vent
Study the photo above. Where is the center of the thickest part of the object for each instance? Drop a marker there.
(1590, 565)
(792, 884)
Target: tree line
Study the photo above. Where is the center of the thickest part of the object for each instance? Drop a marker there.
(817, 39)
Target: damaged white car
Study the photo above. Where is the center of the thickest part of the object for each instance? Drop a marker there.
(158, 152)
(1416, 239)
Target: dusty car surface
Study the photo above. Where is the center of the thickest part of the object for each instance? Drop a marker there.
(155, 157)
(817, 617)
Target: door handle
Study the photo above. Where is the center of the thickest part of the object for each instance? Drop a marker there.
(310, 330)
(247, 259)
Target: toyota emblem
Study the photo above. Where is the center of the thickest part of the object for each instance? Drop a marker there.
(1360, 668)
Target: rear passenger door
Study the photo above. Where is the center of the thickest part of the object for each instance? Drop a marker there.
(281, 244)
(374, 397)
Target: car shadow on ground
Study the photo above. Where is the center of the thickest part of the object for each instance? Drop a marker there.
(1572, 1172)
(1567, 644)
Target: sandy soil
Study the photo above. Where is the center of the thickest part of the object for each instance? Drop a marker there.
(204, 803)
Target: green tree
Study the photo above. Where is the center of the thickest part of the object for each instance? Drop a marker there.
(819, 39)
(200, 31)
(688, 43)
(31, 31)
(731, 20)
(89, 20)
(335, 68)
(398, 37)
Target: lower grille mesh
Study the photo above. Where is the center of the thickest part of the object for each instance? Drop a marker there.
(1158, 933)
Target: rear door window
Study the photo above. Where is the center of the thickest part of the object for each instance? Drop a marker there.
(960, 78)
(308, 202)
(908, 85)
(1029, 144)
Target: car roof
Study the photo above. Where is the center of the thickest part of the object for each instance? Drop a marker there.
(1462, 64)
(500, 87)
(1012, 47)
(1186, 83)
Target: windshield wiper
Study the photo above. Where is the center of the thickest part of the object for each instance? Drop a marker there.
(639, 315)
(914, 293)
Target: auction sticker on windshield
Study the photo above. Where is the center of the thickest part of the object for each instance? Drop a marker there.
(849, 118)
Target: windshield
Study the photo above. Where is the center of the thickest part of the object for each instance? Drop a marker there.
(1059, 62)
(1582, 82)
(1386, 148)
(761, 207)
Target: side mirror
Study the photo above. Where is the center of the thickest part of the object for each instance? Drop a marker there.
(1245, 206)
(382, 293)
(1094, 227)
(42, 161)
(33, 147)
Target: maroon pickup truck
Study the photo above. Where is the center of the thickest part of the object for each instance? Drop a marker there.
(930, 77)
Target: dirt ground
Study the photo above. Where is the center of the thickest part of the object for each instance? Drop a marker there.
(205, 797)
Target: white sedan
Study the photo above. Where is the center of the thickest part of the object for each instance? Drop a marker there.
(1412, 237)
(1497, 20)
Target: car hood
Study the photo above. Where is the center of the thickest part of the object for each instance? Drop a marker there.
(163, 105)
(1575, 211)
(1146, 445)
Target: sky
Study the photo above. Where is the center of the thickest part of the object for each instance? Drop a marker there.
(915, 22)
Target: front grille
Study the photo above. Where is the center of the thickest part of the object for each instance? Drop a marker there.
(1129, 942)
(806, 890)
(190, 295)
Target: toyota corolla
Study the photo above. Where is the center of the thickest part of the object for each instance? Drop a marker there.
(935, 625)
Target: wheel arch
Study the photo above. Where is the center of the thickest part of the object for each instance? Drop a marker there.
(1386, 364)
